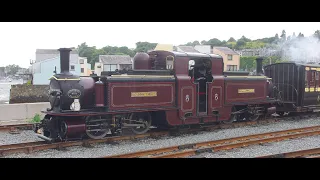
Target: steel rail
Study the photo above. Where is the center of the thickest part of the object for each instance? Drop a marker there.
(222, 144)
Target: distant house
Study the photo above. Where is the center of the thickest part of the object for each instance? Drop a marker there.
(186, 49)
(112, 62)
(231, 59)
(85, 67)
(203, 49)
(164, 47)
(44, 54)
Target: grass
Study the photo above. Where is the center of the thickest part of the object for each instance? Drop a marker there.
(36, 119)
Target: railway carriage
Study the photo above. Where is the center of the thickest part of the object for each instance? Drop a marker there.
(165, 89)
(296, 86)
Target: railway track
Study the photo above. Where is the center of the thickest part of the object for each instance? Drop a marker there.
(16, 127)
(41, 145)
(306, 153)
(30, 147)
(223, 144)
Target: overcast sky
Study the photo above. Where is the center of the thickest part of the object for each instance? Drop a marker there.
(19, 41)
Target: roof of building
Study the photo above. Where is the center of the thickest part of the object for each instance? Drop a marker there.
(53, 51)
(187, 49)
(164, 47)
(115, 59)
(203, 46)
(191, 54)
(226, 50)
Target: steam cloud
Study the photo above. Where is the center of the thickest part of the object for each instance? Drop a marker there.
(302, 50)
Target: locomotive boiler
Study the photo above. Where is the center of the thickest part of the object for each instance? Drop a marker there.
(166, 89)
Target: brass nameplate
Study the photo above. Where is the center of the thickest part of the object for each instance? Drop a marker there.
(245, 90)
(144, 94)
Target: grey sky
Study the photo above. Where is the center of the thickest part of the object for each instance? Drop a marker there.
(19, 41)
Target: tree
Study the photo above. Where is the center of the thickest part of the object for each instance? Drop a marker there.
(294, 35)
(144, 46)
(245, 39)
(288, 38)
(194, 43)
(85, 51)
(317, 34)
(213, 42)
(231, 40)
(300, 35)
(283, 35)
(12, 69)
(240, 44)
(276, 37)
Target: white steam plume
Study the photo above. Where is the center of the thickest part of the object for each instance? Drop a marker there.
(302, 50)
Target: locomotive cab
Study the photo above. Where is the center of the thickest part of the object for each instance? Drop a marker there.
(200, 72)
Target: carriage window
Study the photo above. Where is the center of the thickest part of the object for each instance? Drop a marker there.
(317, 81)
(312, 82)
(169, 62)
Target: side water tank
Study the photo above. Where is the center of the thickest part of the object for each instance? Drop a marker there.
(99, 93)
(141, 61)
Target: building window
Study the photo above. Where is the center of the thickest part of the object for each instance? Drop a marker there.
(72, 68)
(230, 57)
(81, 61)
(109, 67)
(125, 66)
(98, 66)
(231, 67)
(82, 70)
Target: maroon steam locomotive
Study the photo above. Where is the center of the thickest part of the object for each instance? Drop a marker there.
(164, 90)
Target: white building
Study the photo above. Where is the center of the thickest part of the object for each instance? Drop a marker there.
(112, 62)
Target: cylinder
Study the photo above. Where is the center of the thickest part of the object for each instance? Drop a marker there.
(99, 93)
(64, 60)
(259, 65)
(73, 128)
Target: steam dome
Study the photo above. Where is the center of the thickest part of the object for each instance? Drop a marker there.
(141, 61)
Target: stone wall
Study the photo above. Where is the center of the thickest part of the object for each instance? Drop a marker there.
(22, 93)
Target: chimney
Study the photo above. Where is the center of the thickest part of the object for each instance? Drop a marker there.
(64, 60)
(259, 65)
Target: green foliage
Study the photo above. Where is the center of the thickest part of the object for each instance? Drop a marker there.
(36, 119)
(144, 46)
(12, 69)
(194, 43)
(92, 53)
(317, 34)
(231, 40)
(28, 82)
(248, 63)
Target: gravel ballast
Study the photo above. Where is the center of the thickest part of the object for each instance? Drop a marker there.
(268, 149)
(132, 146)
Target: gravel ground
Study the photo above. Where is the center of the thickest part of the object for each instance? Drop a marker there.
(127, 146)
(23, 136)
(267, 149)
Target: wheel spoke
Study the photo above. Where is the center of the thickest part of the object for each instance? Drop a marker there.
(96, 127)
